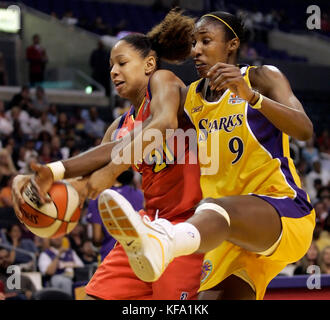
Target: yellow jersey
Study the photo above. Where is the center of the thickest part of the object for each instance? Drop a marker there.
(240, 151)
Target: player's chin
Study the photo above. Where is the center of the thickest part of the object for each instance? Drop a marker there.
(121, 93)
(202, 72)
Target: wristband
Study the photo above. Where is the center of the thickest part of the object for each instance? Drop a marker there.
(257, 105)
(57, 169)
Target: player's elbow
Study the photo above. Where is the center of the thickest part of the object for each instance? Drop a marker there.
(306, 131)
(165, 125)
(171, 124)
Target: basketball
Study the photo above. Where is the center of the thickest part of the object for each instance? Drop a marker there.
(55, 218)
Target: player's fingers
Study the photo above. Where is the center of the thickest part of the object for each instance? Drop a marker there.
(82, 198)
(17, 188)
(227, 83)
(35, 167)
(93, 195)
(225, 76)
(218, 67)
(38, 192)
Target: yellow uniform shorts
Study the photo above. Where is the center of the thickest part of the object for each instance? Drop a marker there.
(229, 259)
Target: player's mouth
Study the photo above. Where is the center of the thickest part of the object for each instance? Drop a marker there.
(200, 66)
(118, 84)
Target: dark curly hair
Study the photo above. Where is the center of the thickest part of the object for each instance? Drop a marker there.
(171, 39)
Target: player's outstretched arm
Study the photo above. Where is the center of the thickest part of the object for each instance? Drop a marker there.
(280, 105)
(165, 103)
(271, 94)
(80, 165)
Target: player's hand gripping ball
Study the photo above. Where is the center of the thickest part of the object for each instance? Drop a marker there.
(55, 218)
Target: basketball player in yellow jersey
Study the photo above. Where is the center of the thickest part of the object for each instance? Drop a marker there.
(254, 218)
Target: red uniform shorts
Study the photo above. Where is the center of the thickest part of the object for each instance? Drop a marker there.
(115, 280)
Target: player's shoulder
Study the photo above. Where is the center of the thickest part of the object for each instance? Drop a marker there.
(163, 77)
(265, 75)
(265, 71)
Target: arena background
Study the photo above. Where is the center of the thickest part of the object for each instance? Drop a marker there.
(293, 35)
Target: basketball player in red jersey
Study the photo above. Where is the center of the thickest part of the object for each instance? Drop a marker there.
(154, 94)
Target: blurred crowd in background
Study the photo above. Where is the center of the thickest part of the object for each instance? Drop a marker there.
(33, 129)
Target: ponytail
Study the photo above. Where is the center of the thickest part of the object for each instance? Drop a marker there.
(171, 39)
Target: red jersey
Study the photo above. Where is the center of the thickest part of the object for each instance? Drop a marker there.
(171, 188)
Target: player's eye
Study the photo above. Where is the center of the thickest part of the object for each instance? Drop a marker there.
(206, 41)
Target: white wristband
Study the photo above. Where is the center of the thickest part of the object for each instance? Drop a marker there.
(57, 169)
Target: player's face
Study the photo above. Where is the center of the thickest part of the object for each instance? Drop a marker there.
(209, 46)
(127, 70)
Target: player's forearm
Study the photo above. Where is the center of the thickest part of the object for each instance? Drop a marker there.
(291, 121)
(89, 161)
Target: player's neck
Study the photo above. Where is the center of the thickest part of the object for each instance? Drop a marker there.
(211, 95)
(138, 99)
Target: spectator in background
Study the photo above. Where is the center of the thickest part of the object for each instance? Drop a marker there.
(30, 151)
(257, 16)
(5, 192)
(22, 99)
(37, 58)
(27, 287)
(40, 101)
(69, 19)
(323, 142)
(316, 173)
(6, 127)
(13, 237)
(310, 258)
(94, 126)
(56, 153)
(98, 59)
(100, 27)
(10, 145)
(58, 263)
(320, 211)
(125, 187)
(249, 53)
(78, 122)
(63, 126)
(122, 106)
(3, 71)
(21, 121)
(88, 254)
(325, 260)
(52, 113)
(45, 125)
(100, 236)
(66, 150)
(76, 238)
(310, 153)
(7, 167)
(45, 153)
(324, 195)
(21, 161)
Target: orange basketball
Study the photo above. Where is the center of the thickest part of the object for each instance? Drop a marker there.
(55, 218)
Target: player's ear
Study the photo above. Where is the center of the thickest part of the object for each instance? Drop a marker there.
(150, 64)
(234, 44)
